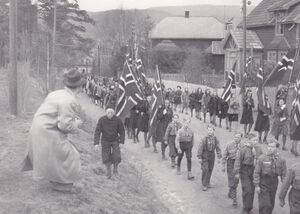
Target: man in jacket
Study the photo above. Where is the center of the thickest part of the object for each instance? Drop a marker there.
(206, 155)
(112, 133)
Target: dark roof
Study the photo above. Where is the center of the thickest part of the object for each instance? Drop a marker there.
(262, 15)
(188, 28)
(283, 5)
(259, 15)
(253, 40)
(280, 43)
(293, 16)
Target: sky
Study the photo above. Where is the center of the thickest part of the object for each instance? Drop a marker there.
(102, 5)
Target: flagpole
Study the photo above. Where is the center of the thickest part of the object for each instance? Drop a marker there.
(295, 58)
(161, 91)
(118, 88)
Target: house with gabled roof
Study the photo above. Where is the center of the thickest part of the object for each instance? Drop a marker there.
(273, 28)
(188, 32)
(277, 24)
(233, 49)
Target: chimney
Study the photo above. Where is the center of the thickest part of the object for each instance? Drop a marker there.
(187, 14)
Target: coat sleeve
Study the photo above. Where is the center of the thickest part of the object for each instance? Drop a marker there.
(257, 172)
(238, 162)
(218, 149)
(284, 170)
(68, 112)
(98, 132)
(225, 155)
(200, 149)
(167, 132)
(286, 185)
(121, 131)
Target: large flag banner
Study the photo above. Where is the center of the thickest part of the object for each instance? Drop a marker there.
(156, 101)
(283, 71)
(295, 112)
(129, 92)
(230, 82)
(262, 103)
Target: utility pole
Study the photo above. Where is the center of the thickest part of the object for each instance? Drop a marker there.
(13, 63)
(98, 60)
(244, 37)
(52, 65)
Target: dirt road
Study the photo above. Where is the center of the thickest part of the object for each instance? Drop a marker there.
(179, 194)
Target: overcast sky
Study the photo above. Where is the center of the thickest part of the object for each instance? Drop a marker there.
(101, 5)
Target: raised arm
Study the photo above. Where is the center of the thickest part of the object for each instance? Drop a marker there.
(98, 132)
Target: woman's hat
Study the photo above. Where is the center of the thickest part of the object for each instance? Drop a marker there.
(73, 79)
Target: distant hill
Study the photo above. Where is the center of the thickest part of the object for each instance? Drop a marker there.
(222, 13)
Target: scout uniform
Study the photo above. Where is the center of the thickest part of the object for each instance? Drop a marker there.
(185, 139)
(206, 152)
(229, 157)
(170, 137)
(266, 173)
(244, 166)
(292, 180)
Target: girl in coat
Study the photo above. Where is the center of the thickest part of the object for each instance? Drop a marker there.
(192, 102)
(143, 120)
(205, 100)
(262, 123)
(213, 107)
(198, 102)
(233, 111)
(222, 113)
(247, 115)
(280, 124)
(51, 152)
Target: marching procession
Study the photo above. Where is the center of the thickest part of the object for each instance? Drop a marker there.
(243, 158)
(157, 114)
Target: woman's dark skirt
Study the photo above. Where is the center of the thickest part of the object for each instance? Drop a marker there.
(233, 117)
(262, 124)
(247, 117)
(143, 122)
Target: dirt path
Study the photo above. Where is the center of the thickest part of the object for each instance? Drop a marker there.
(179, 194)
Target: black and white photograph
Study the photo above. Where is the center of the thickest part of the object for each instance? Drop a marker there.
(149, 107)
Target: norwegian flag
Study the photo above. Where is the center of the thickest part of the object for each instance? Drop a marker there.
(156, 101)
(282, 71)
(129, 92)
(249, 61)
(262, 103)
(230, 82)
(295, 112)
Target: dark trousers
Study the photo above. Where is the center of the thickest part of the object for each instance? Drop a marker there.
(111, 153)
(207, 167)
(247, 186)
(186, 148)
(266, 199)
(294, 198)
(163, 148)
(172, 148)
(232, 181)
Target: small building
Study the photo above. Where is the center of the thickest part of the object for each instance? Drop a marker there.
(194, 35)
(233, 48)
(277, 24)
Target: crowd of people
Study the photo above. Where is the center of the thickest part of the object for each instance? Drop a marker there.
(243, 158)
(52, 155)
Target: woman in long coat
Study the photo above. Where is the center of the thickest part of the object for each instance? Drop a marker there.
(51, 153)
(247, 115)
(222, 113)
(233, 111)
(192, 102)
(198, 102)
(143, 120)
(213, 107)
(205, 100)
(262, 123)
(280, 124)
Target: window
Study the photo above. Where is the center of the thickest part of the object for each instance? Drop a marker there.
(281, 54)
(272, 56)
(279, 28)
